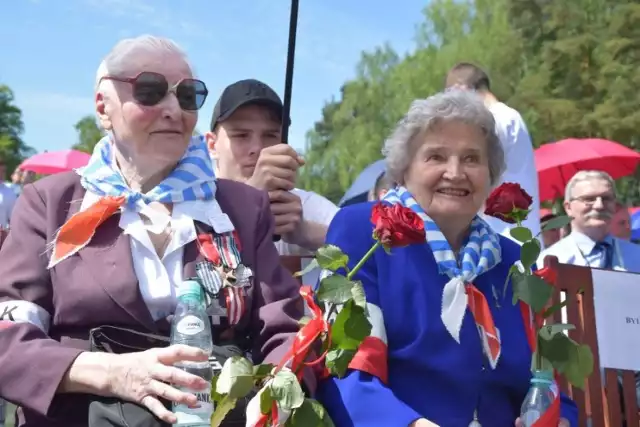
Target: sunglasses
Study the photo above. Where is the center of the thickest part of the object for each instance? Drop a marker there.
(151, 88)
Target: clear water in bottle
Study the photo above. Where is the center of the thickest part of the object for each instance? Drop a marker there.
(539, 398)
(191, 326)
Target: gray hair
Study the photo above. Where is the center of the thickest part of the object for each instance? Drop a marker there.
(581, 176)
(120, 58)
(424, 114)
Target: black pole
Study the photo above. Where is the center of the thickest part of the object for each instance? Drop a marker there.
(288, 78)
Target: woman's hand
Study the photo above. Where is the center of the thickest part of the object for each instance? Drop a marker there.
(562, 423)
(422, 422)
(145, 377)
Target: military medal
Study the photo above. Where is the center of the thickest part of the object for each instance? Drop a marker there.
(211, 281)
(223, 276)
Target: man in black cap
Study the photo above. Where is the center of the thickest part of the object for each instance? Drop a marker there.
(245, 142)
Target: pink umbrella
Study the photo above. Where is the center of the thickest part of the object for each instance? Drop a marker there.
(56, 161)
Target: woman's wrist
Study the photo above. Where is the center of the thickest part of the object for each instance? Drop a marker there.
(89, 373)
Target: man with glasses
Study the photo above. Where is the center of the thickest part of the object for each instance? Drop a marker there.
(590, 200)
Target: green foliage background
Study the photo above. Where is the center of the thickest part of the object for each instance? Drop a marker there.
(570, 68)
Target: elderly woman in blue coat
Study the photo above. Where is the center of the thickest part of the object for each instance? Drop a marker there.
(447, 348)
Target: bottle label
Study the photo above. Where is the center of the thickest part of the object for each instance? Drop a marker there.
(197, 415)
(190, 325)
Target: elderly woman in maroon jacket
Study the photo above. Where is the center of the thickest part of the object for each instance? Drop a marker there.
(109, 243)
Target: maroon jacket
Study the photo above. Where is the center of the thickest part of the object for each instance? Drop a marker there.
(98, 286)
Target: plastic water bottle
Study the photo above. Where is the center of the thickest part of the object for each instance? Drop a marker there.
(191, 326)
(541, 395)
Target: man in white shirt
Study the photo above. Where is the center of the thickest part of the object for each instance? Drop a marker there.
(515, 139)
(245, 143)
(7, 197)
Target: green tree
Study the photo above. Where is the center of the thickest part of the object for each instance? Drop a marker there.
(89, 134)
(586, 54)
(570, 68)
(352, 130)
(12, 148)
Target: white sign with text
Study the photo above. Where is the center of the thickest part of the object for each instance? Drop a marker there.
(617, 305)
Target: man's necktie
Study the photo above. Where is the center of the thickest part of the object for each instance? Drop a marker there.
(606, 254)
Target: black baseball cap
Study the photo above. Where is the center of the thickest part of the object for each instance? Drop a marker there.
(241, 93)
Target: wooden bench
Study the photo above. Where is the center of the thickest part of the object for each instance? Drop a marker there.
(601, 399)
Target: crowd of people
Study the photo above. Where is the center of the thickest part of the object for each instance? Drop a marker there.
(108, 245)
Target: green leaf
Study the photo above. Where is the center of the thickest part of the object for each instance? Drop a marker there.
(332, 258)
(529, 253)
(222, 410)
(358, 294)
(573, 360)
(262, 371)
(512, 270)
(236, 378)
(521, 234)
(286, 390)
(335, 289)
(532, 290)
(557, 222)
(547, 332)
(350, 327)
(580, 365)
(310, 267)
(519, 214)
(338, 361)
(310, 414)
(555, 307)
(266, 400)
(215, 396)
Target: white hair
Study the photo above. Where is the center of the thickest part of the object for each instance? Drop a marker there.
(124, 53)
(424, 114)
(581, 176)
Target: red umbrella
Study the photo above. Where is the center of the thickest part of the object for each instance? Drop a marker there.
(557, 162)
(56, 161)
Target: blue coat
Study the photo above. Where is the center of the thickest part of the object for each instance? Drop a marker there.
(430, 375)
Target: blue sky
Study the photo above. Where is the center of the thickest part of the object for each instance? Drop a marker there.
(51, 49)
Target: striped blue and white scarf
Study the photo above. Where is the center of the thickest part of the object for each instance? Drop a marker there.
(480, 254)
(192, 179)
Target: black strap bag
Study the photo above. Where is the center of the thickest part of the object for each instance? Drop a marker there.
(113, 412)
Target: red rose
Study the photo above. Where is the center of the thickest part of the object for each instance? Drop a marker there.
(396, 226)
(509, 202)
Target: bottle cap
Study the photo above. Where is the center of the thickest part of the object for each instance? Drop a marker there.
(190, 288)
